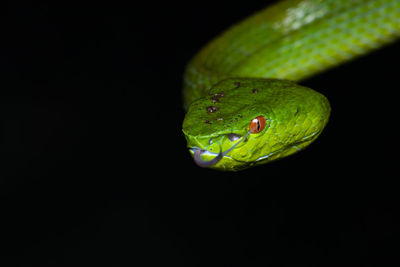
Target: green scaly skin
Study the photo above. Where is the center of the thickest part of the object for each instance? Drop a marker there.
(244, 73)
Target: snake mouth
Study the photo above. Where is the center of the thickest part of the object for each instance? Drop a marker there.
(198, 152)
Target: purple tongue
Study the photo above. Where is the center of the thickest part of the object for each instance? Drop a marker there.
(206, 163)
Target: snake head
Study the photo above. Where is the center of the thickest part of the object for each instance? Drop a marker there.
(243, 122)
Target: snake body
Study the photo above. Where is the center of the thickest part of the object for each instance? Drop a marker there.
(243, 105)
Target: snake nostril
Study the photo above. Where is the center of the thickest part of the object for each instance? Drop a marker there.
(234, 137)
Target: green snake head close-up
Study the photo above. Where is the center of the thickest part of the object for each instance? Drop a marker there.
(243, 122)
(242, 110)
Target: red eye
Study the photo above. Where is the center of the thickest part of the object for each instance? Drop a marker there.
(257, 124)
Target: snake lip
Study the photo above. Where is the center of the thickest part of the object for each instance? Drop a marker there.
(205, 152)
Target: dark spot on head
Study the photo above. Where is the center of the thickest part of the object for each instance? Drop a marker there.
(211, 109)
(255, 91)
(237, 84)
(207, 121)
(215, 98)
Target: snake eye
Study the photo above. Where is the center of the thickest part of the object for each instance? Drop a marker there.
(257, 124)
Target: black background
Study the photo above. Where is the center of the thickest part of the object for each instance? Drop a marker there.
(94, 169)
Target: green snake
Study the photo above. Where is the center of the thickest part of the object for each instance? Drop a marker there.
(243, 105)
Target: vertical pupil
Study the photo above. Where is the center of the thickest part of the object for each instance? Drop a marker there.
(258, 125)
